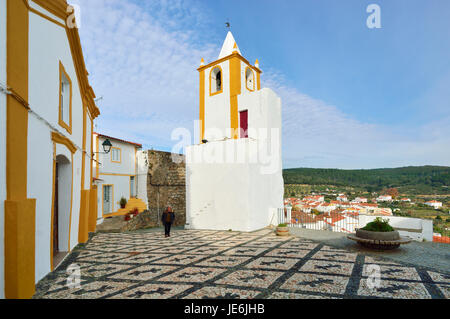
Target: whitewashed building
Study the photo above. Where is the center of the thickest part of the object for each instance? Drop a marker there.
(359, 200)
(118, 174)
(233, 179)
(434, 203)
(384, 198)
(47, 111)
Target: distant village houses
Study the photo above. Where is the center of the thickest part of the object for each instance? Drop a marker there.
(384, 198)
(434, 203)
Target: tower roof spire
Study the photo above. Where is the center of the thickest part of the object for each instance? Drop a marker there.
(229, 46)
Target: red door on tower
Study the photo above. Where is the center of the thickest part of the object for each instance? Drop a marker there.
(243, 124)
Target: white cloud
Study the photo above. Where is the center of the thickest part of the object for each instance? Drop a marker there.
(316, 134)
(143, 56)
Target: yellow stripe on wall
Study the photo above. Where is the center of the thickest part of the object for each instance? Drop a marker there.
(235, 90)
(20, 212)
(202, 105)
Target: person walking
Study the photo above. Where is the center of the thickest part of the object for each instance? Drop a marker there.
(167, 218)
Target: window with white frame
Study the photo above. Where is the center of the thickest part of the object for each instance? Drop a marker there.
(116, 155)
(65, 100)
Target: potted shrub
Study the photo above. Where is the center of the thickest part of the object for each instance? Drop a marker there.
(378, 234)
(282, 230)
(123, 202)
(379, 229)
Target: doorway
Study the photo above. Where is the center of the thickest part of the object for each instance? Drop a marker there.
(62, 206)
(243, 122)
(132, 187)
(107, 199)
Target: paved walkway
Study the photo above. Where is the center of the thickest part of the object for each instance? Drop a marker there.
(426, 254)
(220, 264)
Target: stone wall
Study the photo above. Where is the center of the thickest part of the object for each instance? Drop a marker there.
(166, 185)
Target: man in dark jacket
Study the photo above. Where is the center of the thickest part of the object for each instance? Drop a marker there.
(167, 218)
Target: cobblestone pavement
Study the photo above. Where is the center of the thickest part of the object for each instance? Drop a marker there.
(218, 264)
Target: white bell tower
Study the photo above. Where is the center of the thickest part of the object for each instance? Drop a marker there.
(234, 175)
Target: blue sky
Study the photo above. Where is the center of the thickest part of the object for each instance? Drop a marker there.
(352, 97)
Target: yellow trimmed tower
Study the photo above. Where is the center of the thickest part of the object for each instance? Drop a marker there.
(221, 82)
(233, 176)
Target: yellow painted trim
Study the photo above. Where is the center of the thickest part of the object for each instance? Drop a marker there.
(258, 81)
(66, 126)
(83, 225)
(229, 57)
(117, 148)
(20, 253)
(91, 136)
(114, 174)
(93, 209)
(210, 80)
(97, 155)
(61, 139)
(20, 211)
(112, 195)
(55, 7)
(235, 90)
(42, 15)
(83, 153)
(16, 114)
(202, 105)
(253, 76)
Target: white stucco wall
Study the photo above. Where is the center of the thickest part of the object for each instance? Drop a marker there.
(45, 52)
(126, 166)
(235, 196)
(87, 173)
(142, 176)
(2, 140)
(117, 174)
(217, 110)
(423, 225)
(242, 194)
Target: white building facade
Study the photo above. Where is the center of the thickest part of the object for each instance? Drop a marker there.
(434, 203)
(234, 176)
(118, 174)
(47, 111)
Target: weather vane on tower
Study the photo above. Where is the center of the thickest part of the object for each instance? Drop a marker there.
(227, 24)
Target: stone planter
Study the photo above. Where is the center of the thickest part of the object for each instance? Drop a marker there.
(378, 240)
(391, 235)
(282, 231)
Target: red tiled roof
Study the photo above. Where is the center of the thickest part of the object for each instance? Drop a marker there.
(441, 239)
(118, 139)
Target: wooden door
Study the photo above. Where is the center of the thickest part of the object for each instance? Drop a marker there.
(243, 124)
(107, 200)
(55, 216)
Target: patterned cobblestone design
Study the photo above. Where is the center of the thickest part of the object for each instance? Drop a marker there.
(231, 265)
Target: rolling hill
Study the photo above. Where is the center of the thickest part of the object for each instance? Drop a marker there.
(413, 179)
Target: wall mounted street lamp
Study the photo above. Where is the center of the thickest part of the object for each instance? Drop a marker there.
(106, 147)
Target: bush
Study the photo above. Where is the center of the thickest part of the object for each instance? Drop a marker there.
(380, 225)
(282, 225)
(123, 202)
